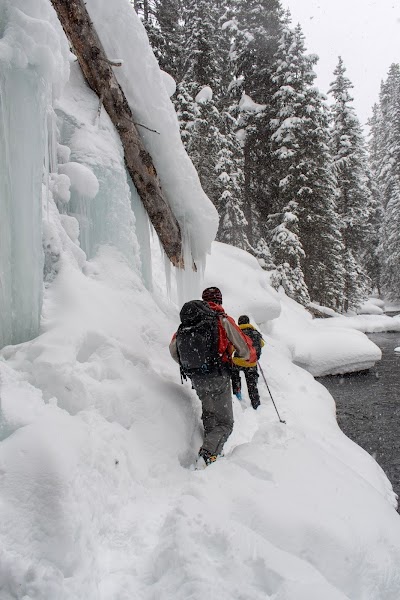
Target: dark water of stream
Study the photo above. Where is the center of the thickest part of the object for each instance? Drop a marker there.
(368, 406)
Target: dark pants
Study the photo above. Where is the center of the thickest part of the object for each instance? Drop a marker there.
(251, 375)
(214, 391)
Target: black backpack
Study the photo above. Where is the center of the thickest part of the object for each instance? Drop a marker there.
(197, 339)
(256, 338)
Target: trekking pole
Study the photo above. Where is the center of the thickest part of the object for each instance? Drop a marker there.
(265, 381)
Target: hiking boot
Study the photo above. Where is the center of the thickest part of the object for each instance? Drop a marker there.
(207, 457)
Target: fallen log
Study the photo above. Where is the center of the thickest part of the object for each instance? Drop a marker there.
(98, 72)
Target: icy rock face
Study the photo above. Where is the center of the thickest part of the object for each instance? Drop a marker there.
(31, 71)
(91, 156)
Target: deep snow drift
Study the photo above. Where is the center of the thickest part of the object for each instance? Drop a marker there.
(97, 499)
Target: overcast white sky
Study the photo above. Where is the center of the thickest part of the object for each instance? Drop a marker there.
(365, 33)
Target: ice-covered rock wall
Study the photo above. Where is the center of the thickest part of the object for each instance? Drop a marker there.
(32, 67)
(91, 156)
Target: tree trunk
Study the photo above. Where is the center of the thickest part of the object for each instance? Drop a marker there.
(98, 72)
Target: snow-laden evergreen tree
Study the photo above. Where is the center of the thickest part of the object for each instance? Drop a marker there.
(372, 253)
(302, 167)
(162, 20)
(391, 246)
(168, 38)
(229, 168)
(207, 122)
(203, 140)
(385, 164)
(201, 49)
(387, 136)
(287, 252)
(255, 27)
(196, 95)
(354, 199)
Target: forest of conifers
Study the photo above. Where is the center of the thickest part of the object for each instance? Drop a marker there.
(294, 178)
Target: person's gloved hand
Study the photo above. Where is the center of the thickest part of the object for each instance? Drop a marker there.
(239, 395)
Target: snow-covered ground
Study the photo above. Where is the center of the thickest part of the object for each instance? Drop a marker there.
(97, 434)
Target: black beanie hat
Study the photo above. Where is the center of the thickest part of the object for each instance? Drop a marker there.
(243, 320)
(212, 294)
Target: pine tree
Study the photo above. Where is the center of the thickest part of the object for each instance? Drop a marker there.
(207, 122)
(196, 103)
(162, 20)
(255, 26)
(203, 143)
(372, 255)
(302, 167)
(391, 245)
(385, 165)
(233, 224)
(287, 253)
(354, 199)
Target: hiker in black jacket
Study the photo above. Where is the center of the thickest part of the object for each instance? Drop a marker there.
(203, 346)
(249, 369)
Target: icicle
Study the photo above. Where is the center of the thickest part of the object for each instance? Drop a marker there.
(144, 233)
(52, 139)
(188, 280)
(46, 174)
(167, 269)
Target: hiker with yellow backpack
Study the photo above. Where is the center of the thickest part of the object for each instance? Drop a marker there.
(249, 368)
